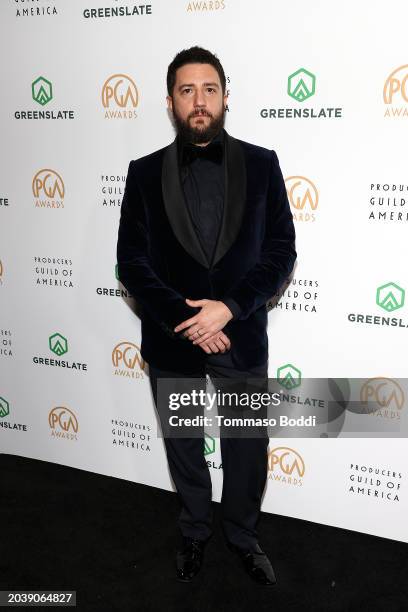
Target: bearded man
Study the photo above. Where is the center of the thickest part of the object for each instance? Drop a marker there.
(206, 237)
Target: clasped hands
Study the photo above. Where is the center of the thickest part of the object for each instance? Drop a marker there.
(205, 328)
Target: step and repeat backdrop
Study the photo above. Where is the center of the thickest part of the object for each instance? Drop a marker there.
(324, 84)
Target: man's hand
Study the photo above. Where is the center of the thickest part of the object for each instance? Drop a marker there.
(219, 343)
(213, 316)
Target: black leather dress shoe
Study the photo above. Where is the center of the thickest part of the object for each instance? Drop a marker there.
(189, 559)
(256, 564)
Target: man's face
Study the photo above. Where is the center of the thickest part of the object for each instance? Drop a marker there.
(197, 103)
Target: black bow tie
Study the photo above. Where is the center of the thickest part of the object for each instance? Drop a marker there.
(213, 151)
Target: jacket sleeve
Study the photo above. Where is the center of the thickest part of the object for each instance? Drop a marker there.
(234, 308)
(278, 254)
(165, 305)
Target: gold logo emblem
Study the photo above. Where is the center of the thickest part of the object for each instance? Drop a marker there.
(287, 461)
(385, 392)
(127, 359)
(48, 189)
(119, 90)
(303, 197)
(61, 418)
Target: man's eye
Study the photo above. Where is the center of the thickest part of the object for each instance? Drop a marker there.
(187, 90)
(210, 89)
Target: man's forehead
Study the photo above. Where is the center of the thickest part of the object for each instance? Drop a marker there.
(197, 72)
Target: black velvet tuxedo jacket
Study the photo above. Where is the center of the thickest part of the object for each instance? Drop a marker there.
(161, 261)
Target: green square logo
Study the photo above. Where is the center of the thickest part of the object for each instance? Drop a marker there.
(390, 297)
(301, 85)
(289, 376)
(209, 444)
(58, 344)
(4, 407)
(41, 90)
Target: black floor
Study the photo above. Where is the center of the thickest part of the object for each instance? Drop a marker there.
(113, 542)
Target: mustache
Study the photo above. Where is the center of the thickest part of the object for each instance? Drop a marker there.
(200, 111)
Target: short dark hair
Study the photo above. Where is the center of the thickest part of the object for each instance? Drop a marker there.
(193, 55)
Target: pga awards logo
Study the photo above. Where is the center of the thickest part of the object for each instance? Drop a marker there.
(48, 189)
(395, 93)
(120, 97)
(63, 423)
(303, 198)
(382, 397)
(128, 361)
(286, 465)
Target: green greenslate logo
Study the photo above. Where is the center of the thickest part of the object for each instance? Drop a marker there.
(4, 407)
(41, 90)
(58, 344)
(301, 85)
(390, 297)
(289, 376)
(209, 444)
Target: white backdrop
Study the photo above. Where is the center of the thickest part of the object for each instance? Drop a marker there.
(58, 228)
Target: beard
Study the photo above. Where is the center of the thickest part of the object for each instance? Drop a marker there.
(198, 135)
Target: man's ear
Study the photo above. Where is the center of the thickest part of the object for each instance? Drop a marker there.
(169, 102)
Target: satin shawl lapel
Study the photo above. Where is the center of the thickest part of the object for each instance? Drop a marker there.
(176, 207)
(234, 202)
(235, 196)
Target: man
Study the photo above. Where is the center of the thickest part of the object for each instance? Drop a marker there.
(206, 237)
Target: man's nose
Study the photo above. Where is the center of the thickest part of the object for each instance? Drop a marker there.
(199, 99)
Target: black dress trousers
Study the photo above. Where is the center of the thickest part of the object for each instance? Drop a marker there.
(244, 461)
